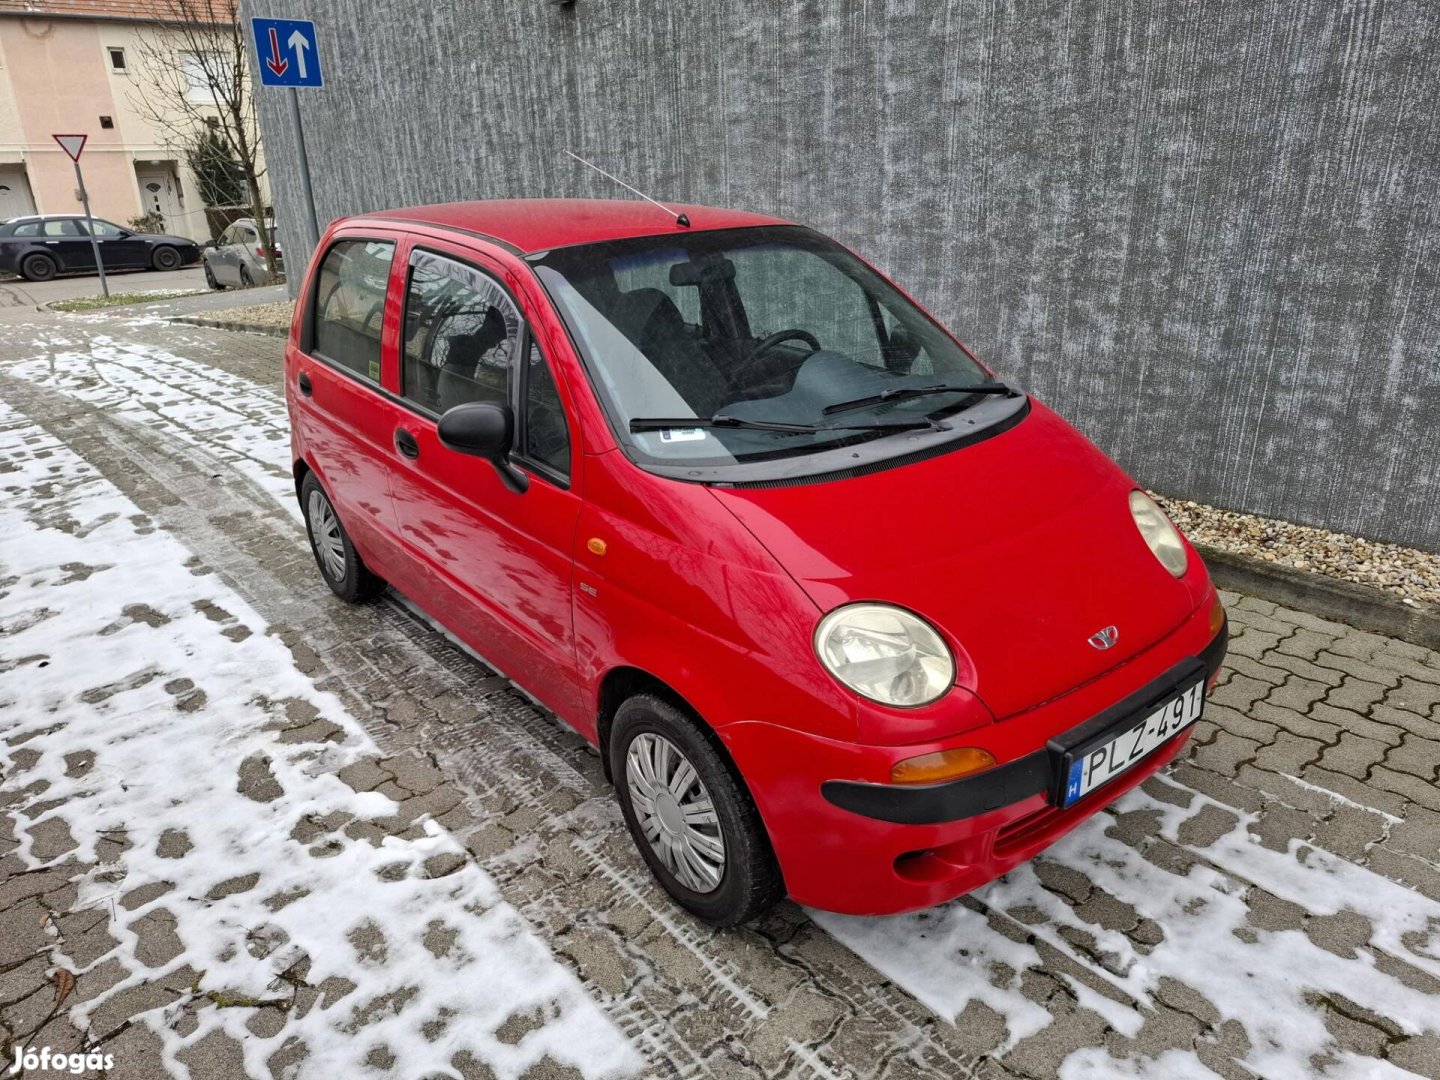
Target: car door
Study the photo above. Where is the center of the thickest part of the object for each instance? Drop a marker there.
(221, 258)
(494, 565)
(343, 420)
(62, 238)
(119, 248)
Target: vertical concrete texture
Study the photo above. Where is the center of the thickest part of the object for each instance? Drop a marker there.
(1205, 230)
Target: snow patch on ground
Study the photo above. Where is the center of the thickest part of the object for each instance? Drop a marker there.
(1266, 980)
(107, 635)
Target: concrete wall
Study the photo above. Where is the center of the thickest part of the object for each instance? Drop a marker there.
(1205, 230)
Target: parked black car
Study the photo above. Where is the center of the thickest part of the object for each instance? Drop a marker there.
(42, 245)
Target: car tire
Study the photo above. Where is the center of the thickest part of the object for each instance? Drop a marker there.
(649, 729)
(210, 279)
(340, 564)
(245, 279)
(38, 267)
(165, 258)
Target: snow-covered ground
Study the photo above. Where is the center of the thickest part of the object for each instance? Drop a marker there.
(109, 639)
(1197, 933)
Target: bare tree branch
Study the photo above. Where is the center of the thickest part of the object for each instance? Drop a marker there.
(193, 79)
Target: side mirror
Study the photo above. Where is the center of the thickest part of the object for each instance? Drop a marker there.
(209, 245)
(125, 234)
(484, 429)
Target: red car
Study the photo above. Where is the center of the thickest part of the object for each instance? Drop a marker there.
(847, 618)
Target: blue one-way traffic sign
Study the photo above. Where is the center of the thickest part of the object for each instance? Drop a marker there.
(288, 52)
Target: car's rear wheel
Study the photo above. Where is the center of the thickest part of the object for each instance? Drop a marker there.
(165, 258)
(340, 564)
(210, 279)
(38, 268)
(689, 813)
(245, 279)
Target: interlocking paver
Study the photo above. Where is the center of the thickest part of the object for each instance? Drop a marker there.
(1353, 755)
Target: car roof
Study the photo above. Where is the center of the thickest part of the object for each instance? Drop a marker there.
(42, 217)
(529, 225)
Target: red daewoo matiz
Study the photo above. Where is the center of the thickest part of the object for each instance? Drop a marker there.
(846, 617)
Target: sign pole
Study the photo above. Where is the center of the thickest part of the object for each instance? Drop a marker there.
(287, 54)
(90, 228)
(306, 194)
(74, 146)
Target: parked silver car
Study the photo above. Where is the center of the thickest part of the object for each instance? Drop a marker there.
(237, 259)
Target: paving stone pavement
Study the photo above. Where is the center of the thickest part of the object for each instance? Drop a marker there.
(1319, 739)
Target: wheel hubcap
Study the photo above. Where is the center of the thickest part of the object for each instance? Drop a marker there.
(325, 529)
(675, 812)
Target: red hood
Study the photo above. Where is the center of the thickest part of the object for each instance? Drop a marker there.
(1018, 548)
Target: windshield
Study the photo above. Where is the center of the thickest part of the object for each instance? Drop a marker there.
(755, 326)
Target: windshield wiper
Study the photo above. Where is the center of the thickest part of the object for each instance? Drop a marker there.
(901, 393)
(721, 420)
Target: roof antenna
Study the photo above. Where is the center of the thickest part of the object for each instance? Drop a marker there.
(680, 219)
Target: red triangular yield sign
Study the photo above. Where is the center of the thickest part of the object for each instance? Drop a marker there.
(71, 144)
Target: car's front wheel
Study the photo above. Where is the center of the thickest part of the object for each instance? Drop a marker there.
(38, 268)
(210, 279)
(689, 813)
(165, 258)
(340, 564)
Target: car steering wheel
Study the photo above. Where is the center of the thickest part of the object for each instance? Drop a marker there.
(769, 342)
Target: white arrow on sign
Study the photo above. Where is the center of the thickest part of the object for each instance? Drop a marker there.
(299, 42)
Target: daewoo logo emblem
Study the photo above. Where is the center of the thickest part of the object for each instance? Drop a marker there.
(1103, 639)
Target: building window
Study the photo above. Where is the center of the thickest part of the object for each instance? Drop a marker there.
(107, 122)
(117, 59)
(204, 72)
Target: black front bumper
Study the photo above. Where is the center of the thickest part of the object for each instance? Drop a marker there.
(1033, 774)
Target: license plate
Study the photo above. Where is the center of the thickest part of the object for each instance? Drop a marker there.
(1096, 764)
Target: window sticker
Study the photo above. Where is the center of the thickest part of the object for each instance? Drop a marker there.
(689, 434)
(375, 370)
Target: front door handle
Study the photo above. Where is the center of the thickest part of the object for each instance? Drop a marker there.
(304, 383)
(406, 444)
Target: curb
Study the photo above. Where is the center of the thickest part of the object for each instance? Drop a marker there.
(226, 324)
(1360, 606)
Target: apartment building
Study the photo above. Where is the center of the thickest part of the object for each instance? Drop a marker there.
(86, 66)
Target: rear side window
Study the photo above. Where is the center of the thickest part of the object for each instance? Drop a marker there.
(460, 332)
(350, 304)
(30, 228)
(62, 227)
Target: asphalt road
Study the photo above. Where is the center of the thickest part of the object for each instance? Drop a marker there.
(17, 292)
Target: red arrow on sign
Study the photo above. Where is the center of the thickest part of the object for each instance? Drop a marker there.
(71, 144)
(275, 62)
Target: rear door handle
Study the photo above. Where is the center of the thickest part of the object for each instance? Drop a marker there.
(406, 444)
(304, 383)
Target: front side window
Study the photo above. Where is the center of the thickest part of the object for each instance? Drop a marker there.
(547, 438)
(350, 304)
(778, 341)
(460, 333)
(105, 228)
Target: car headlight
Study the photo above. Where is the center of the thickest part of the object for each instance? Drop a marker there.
(1163, 537)
(885, 653)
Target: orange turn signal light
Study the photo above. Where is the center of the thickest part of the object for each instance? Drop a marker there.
(941, 765)
(1217, 616)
